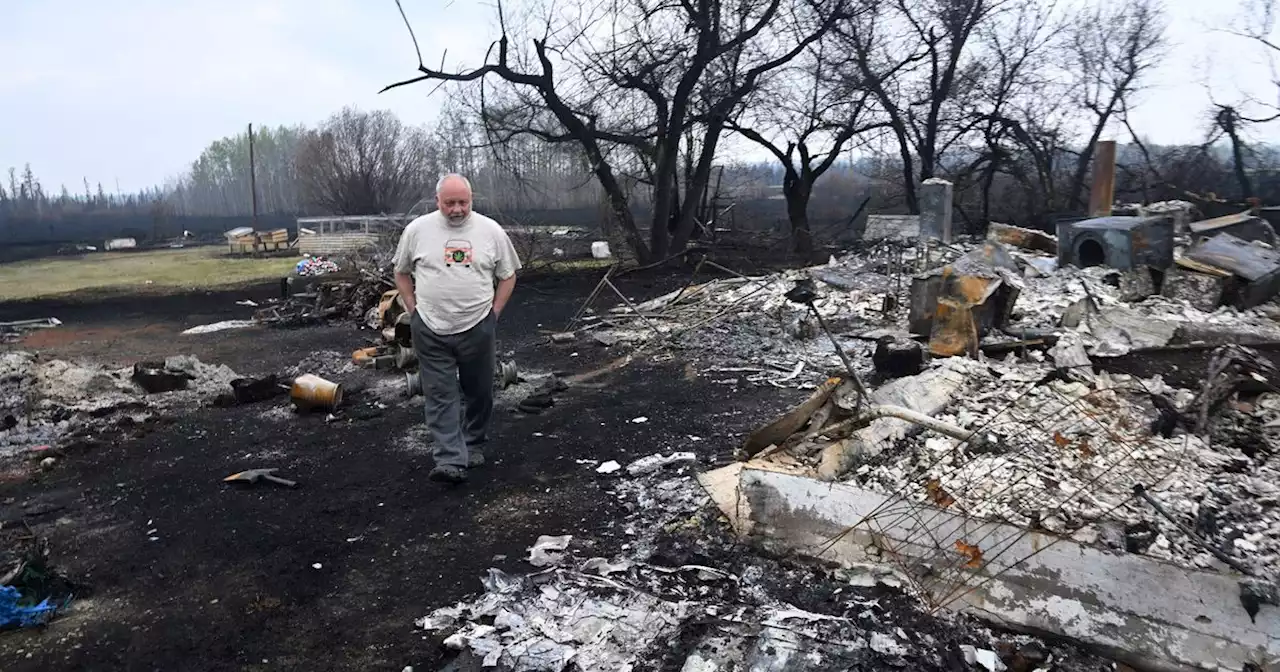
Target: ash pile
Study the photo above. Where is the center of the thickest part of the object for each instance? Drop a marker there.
(1113, 384)
(49, 404)
(681, 594)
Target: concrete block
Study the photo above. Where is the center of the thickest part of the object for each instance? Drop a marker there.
(1137, 284)
(1202, 290)
(1148, 614)
(935, 209)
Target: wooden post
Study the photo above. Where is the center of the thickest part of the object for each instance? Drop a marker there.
(253, 181)
(1102, 193)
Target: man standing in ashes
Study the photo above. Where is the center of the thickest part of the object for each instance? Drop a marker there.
(455, 270)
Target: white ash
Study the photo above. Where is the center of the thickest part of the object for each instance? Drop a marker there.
(50, 399)
(327, 364)
(627, 612)
(761, 327)
(208, 380)
(279, 413)
(1065, 457)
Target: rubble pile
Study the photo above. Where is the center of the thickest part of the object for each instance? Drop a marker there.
(749, 320)
(47, 402)
(989, 392)
(1014, 294)
(1064, 456)
(682, 595)
(351, 291)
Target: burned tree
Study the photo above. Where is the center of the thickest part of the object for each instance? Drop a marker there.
(1234, 119)
(1017, 112)
(360, 163)
(805, 115)
(916, 58)
(632, 81)
(1111, 48)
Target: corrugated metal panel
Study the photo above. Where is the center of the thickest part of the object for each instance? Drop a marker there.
(336, 243)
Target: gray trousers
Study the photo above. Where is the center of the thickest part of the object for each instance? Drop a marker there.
(457, 382)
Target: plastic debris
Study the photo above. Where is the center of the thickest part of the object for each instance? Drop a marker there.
(14, 614)
(652, 463)
(604, 567)
(312, 266)
(220, 326)
(608, 467)
(547, 550)
(498, 581)
(987, 658)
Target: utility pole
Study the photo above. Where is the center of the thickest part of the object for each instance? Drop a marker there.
(253, 181)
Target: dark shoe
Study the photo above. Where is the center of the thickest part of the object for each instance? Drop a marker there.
(475, 458)
(448, 474)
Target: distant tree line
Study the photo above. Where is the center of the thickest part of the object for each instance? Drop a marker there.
(857, 102)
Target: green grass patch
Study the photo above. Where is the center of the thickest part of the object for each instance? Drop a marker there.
(159, 271)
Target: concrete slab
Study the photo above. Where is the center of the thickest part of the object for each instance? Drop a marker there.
(1148, 614)
(892, 227)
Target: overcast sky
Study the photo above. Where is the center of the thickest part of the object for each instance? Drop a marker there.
(130, 91)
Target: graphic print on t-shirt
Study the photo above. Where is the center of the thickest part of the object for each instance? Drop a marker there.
(457, 252)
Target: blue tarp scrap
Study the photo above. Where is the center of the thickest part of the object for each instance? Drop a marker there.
(23, 616)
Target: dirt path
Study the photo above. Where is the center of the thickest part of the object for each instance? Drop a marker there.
(183, 572)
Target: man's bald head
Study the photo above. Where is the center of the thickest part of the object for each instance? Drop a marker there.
(453, 197)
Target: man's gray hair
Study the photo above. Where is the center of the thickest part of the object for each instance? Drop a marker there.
(440, 183)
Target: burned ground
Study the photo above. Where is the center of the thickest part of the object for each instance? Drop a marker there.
(359, 565)
(179, 570)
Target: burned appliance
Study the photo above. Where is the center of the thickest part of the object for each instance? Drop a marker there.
(1117, 242)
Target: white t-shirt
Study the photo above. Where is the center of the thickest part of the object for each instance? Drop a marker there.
(455, 268)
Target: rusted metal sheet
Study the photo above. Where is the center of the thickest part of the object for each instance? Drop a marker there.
(1244, 225)
(955, 305)
(1027, 239)
(899, 227)
(955, 331)
(1256, 269)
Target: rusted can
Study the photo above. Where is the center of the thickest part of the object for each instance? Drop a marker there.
(313, 392)
(362, 356)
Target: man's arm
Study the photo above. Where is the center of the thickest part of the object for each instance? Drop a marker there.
(404, 283)
(508, 264)
(403, 266)
(502, 294)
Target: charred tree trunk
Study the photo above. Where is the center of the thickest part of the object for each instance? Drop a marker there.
(1227, 119)
(797, 189)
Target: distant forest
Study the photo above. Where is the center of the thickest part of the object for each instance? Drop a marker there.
(525, 178)
(857, 103)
